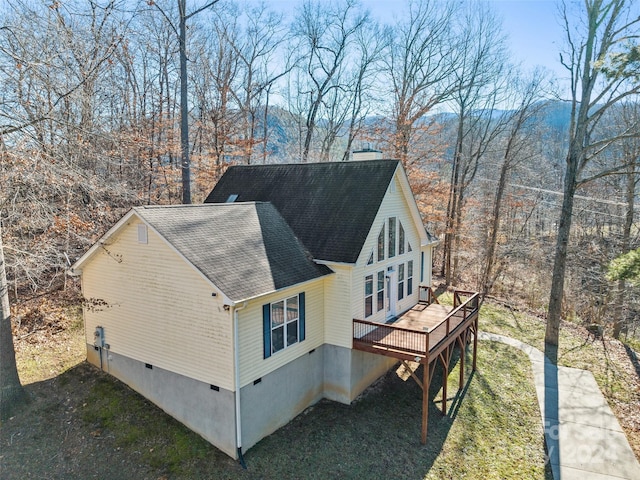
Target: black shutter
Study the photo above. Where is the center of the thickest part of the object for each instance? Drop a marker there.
(301, 320)
(266, 327)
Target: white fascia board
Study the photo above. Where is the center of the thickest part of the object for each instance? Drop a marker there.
(76, 269)
(328, 263)
(434, 243)
(411, 202)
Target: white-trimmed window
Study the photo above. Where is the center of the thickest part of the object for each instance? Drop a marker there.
(401, 238)
(380, 292)
(392, 237)
(401, 281)
(381, 244)
(368, 296)
(283, 323)
(409, 277)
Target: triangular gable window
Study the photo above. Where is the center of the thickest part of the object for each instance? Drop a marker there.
(381, 244)
(409, 249)
(370, 261)
(401, 238)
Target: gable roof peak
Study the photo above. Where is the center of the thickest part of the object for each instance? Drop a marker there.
(244, 249)
(330, 206)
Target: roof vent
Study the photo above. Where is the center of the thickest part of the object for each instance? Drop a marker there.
(367, 154)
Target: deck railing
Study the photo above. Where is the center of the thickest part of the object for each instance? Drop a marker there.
(386, 336)
(427, 295)
(390, 337)
(462, 310)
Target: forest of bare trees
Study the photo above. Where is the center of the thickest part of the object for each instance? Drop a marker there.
(519, 174)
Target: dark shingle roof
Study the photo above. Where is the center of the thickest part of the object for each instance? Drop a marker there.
(245, 249)
(329, 206)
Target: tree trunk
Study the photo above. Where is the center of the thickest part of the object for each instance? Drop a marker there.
(311, 126)
(184, 107)
(452, 206)
(552, 333)
(486, 281)
(626, 244)
(11, 392)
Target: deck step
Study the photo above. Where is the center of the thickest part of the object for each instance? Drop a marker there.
(406, 368)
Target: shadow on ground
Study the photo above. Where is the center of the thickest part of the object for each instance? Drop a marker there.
(47, 437)
(378, 436)
(85, 424)
(633, 356)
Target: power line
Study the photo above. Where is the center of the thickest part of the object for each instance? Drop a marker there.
(554, 192)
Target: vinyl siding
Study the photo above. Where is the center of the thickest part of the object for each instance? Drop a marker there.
(338, 327)
(428, 266)
(253, 365)
(158, 309)
(394, 204)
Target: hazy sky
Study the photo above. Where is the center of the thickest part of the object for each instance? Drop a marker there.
(535, 35)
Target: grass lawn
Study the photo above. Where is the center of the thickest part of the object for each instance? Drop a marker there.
(608, 359)
(493, 432)
(84, 424)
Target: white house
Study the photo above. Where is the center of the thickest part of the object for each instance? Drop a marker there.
(236, 315)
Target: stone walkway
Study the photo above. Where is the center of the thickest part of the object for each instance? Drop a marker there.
(584, 439)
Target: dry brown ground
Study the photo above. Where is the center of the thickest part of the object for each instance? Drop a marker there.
(47, 439)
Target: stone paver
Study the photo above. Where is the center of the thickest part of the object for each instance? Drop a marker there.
(584, 439)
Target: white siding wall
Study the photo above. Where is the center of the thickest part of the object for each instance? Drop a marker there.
(428, 265)
(253, 365)
(338, 329)
(393, 205)
(159, 310)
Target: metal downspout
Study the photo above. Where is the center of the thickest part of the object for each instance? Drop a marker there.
(236, 360)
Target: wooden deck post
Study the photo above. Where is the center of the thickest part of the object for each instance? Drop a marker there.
(445, 375)
(463, 349)
(437, 330)
(475, 342)
(426, 381)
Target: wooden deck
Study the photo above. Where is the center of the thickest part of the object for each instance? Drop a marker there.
(426, 333)
(419, 334)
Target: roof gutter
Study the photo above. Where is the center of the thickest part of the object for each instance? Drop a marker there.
(328, 263)
(236, 362)
(243, 301)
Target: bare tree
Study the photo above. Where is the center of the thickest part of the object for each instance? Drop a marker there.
(478, 87)
(219, 76)
(422, 54)
(50, 60)
(326, 33)
(145, 109)
(370, 46)
(181, 33)
(262, 38)
(630, 116)
(605, 28)
(11, 391)
(517, 142)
